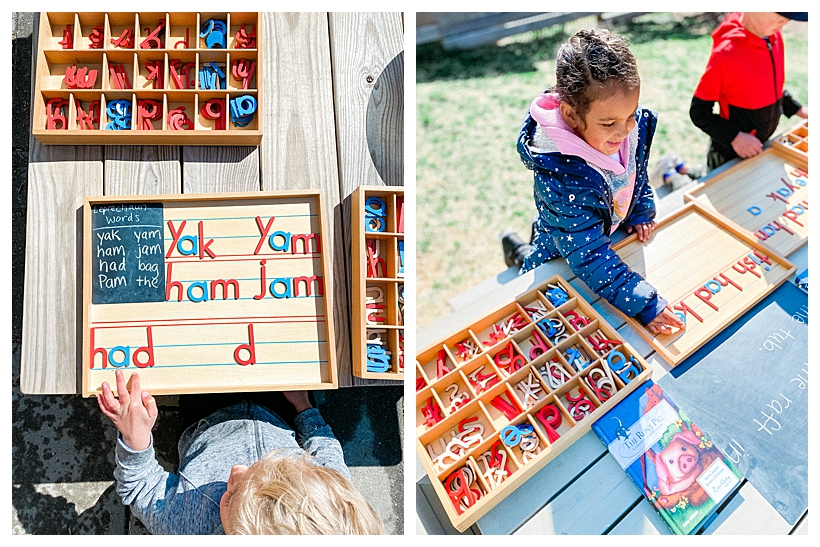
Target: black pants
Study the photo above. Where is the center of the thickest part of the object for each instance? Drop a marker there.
(715, 158)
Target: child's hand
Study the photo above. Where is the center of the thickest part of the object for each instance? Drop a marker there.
(134, 414)
(299, 400)
(803, 112)
(644, 230)
(746, 145)
(665, 322)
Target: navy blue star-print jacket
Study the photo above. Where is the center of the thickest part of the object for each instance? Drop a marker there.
(574, 205)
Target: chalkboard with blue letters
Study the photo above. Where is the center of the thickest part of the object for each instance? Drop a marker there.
(127, 253)
(749, 388)
(208, 293)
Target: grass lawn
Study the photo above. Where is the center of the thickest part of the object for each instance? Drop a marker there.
(470, 182)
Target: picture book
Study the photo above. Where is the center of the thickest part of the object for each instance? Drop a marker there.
(669, 458)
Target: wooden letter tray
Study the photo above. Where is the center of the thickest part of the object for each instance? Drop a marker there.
(378, 296)
(795, 141)
(208, 293)
(708, 269)
(158, 63)
(506, 370)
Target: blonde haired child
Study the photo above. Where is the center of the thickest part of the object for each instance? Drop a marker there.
(241, 470)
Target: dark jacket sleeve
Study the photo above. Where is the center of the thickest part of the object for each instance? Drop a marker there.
(721, 131)
(579, 234)
(790, 104)
(317, 440)
(154, 497)
(643, 210)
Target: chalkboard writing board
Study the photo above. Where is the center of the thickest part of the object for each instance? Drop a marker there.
(208, 293)
(749, 388)
(127, 254)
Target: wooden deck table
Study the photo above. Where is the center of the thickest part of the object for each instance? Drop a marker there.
(332, 119)
(583, 490)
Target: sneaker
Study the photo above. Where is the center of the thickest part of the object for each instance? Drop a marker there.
(663, 170)
(515, 250)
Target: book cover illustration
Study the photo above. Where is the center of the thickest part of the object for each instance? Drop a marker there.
(669, 458)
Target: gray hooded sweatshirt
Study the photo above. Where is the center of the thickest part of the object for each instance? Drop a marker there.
(188, 502)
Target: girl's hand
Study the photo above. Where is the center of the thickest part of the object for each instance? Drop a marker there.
(644, 230)
(665, 322)
(133, 413)
(803, 112)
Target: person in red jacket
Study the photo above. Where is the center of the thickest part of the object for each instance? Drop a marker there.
(745, 76)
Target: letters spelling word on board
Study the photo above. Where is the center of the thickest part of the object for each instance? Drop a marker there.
(768, 195)
(208, 296)
(709, 272)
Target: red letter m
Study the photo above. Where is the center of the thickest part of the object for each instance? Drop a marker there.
(320, 286)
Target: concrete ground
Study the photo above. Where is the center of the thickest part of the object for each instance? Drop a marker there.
(63, 447)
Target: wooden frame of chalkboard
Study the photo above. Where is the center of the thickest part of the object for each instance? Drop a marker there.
(377, 313)
(766, 195)
(518, 366)
(148, 78)
(708, 269)
(222, 292)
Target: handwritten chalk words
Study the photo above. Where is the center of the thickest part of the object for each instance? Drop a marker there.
(775, 407)
(127, 250)
(802, 381)
(776, 340)
(734, 451)
(772, 413)
(801, 315)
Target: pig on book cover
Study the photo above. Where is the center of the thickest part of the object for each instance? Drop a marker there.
(671, 461)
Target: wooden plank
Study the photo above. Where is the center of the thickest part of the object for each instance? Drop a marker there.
(425, 489)
(608, 312)
(299, 145)
(748, 513)
(628, 334)
(579, 509)
(219, 169)
(368, 93)
(531, 497)
(430, 517)
(507, 285)
(142, 170)
(692, 255)
(642, 519)
(582, 289)
(58, 179)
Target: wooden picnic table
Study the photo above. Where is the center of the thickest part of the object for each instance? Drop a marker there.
(332, 119)
(583, 490)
